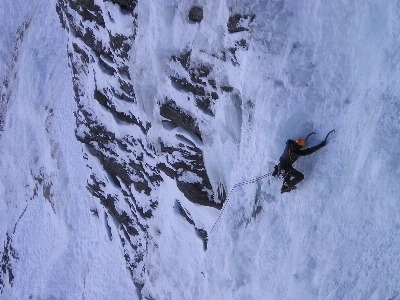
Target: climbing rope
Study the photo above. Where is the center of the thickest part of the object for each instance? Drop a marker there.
(235, 186)
(253, 181)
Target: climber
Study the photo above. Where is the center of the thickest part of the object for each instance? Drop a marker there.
(292, 151)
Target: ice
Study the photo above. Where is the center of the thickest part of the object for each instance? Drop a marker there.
(312, 66)
(316, 244)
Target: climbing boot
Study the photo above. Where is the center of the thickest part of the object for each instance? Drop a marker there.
(286, 188)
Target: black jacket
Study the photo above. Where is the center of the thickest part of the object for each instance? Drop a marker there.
(293, 151)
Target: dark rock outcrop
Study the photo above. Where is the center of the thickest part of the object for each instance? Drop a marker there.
(128, 5)
(130, 172)
(196, 14)
(186, 165)
(238, 23)
(127, 185)
(114, 129)
(201, 233)
(178, 116)
(8, 255)
(199, 85)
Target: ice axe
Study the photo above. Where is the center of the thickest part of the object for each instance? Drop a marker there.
(333, 130)
(325, 137)
(309, 135)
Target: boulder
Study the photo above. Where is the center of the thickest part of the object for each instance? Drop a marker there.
(196, 14)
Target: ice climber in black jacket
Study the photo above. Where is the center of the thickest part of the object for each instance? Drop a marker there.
(292, 152)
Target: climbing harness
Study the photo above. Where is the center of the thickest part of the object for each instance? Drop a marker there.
(281, 172)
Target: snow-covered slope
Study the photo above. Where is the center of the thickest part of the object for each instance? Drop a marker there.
(52, 245)
(125, 125)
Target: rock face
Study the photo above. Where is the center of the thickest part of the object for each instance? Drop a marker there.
(127, 165)
(99, 57)
(196, 14)
(8, 255)
(238, 22)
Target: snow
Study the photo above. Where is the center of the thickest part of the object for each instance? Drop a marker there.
(63, 249)
(312, 66)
